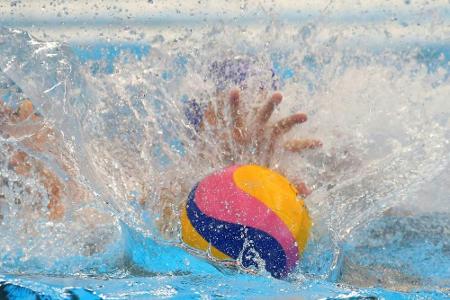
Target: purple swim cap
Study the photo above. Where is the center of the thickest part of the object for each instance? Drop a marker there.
(234, 72)
(231, 71)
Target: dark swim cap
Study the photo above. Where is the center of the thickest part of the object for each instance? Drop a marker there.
(231, 71)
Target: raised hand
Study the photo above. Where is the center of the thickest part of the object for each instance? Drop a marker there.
(251, 136)
(28, 128)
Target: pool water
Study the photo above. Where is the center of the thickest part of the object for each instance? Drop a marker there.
(125, 116)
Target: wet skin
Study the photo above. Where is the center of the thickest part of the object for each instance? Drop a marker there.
(260, 136)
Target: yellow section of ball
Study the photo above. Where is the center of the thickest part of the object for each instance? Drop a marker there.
(191, 237)
(279, 195)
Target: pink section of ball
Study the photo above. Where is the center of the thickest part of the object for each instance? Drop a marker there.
(218, 197)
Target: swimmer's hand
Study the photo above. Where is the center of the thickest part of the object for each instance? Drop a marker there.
(29, 128)
(260, 138)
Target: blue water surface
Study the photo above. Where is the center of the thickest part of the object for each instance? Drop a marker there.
(171, 272)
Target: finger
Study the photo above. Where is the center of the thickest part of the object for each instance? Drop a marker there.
(284, 125)
(302, 189)
(226, 153)
(210, 115)
(39, 140)
(25, 110)
(220, 105)
(4, 109)
(299, 145)
(280, 128)
(216, 121)
(239, 131)
(36, 116)
(267, 109)
(54, 189)
(263, 115)
(19, 162)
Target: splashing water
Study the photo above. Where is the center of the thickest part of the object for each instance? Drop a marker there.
(127, 147)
